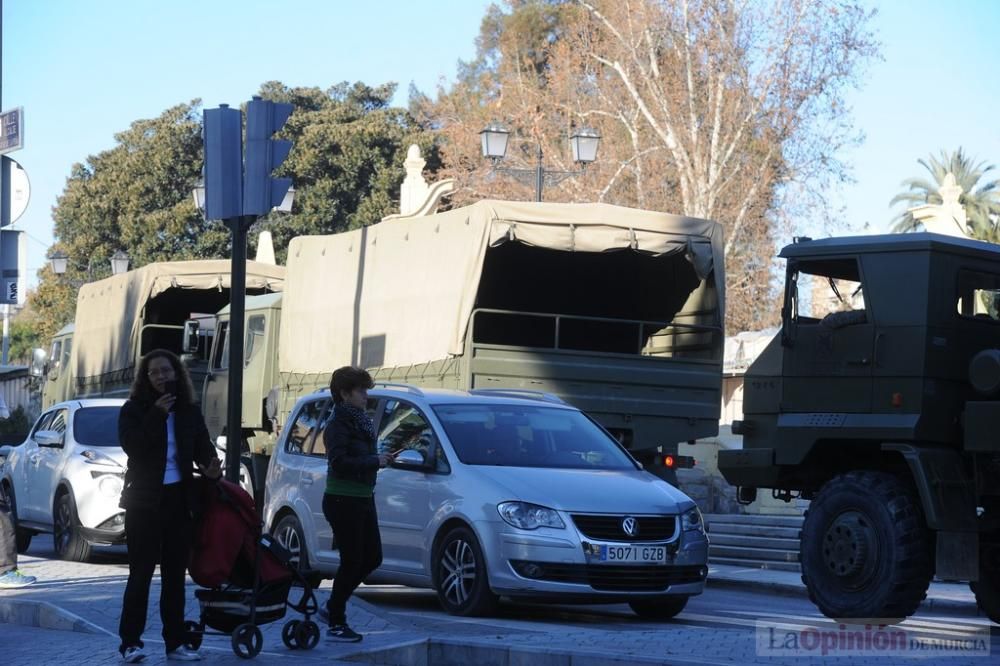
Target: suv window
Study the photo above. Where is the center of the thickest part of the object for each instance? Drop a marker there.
(43, 423)
(523, 436)
(404, 427)
(303, 430)
(319, 445)
(96, 426)
(58, 421)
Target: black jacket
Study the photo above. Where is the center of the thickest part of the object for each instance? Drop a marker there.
(350, 451)
(142, 432)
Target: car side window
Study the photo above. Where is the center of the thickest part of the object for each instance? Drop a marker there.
(58, 421)
(303, 430)
(319, 444)
(403, 428)
(43, 422)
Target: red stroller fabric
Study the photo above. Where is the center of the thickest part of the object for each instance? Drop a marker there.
(225, 541)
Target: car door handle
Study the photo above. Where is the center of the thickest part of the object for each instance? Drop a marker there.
(860, 361)
(307, 481)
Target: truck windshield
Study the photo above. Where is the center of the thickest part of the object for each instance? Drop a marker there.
(96, 426)
(528, 436)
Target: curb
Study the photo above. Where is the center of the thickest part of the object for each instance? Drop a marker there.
(796, 590)
(43, 615)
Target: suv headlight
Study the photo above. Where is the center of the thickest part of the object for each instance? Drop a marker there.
(110, 485)
(691, 521)
(98, 458)
(529, 516)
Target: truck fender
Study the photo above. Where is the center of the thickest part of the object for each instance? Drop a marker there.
(947, 493)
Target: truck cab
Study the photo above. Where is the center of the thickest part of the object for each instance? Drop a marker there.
(874, 401)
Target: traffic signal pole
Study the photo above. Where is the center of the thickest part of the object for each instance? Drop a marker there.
(237, 313)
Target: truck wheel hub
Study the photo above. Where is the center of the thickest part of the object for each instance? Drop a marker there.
(846, 544)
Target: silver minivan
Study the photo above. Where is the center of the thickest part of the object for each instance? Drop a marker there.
(497, 493)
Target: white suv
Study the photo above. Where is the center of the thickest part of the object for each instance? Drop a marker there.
(67, 478)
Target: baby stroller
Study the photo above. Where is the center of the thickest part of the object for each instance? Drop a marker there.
(245, 578)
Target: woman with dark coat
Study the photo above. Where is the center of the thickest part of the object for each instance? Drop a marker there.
(163, 433)
(349, 500)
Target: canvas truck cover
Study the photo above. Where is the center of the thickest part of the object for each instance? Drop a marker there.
(412, 283)
(108, 321)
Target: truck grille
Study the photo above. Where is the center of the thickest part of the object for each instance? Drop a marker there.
(609, 528)
(611, 578)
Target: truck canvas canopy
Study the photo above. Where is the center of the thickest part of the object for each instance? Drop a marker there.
(111, 313)
(403, 291)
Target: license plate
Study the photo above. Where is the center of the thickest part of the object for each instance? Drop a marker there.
(633, 554)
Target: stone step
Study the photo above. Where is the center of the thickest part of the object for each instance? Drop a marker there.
(753, 541)
(743, 552)
(754, 564)
(753, 530)
(753, 519)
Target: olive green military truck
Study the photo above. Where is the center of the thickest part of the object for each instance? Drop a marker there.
(885, 413)
(617, 311)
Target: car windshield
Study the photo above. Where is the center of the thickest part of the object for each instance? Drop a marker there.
(529, 436)
(96, 426)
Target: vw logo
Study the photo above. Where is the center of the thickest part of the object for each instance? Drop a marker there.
(630, 526)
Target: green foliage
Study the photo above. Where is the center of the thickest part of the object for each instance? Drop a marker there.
(980, 198)
(17, 424)
(24, 337)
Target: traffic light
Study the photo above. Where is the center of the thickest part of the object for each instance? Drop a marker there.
(223, 171)
(261, 191)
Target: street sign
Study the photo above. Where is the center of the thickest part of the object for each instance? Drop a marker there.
(12, 266)
(15, 190)
(12, 130)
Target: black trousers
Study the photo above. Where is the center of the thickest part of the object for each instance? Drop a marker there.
(8, 539)
(355, 532)
(152, 536)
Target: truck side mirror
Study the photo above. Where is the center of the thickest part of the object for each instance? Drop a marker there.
(39, 361)
(790, 304)
(190, 345)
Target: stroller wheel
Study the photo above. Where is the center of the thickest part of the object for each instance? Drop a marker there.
(289, 634)
(307, 634)
(247, 641)
(193, 634)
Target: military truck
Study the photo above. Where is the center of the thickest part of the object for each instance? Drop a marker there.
(884, 413)
(120, 318)
(616, 310)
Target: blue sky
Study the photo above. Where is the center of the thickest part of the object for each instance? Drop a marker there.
(84, 70)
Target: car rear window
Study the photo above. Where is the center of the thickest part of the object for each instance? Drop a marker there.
(528, 436)
(96, 426)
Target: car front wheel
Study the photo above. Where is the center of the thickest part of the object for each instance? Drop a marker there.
(66, 537)
(288, 532)
(463, 586)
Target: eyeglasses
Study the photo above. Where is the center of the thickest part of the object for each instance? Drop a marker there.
(166, 372)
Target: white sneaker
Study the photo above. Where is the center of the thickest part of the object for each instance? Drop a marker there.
(183, 654)
(133, 655)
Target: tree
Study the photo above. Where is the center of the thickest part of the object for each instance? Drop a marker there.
(712, 109)
(979, 198)
(345, 164)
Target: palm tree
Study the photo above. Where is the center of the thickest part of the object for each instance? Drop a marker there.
(981, 200)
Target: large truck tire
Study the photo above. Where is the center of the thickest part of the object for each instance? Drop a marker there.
(987, 588)
(865, 549)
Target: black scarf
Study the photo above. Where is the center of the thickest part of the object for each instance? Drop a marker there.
(360, 417)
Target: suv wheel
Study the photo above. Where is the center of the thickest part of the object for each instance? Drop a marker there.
(288, 533)
(462, 584)
(66, 537)
(22, 535)
(660, 608)
(865, 549)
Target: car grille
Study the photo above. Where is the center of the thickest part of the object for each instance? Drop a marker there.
(611, 578)
(609, 528)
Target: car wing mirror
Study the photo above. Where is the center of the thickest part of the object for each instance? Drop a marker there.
(409, 459)
(49, 438)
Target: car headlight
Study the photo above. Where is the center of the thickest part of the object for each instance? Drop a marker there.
(98, 458)
(529, 516)
(110, 485)
(691, 520)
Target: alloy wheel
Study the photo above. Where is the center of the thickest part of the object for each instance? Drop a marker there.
(458, 564)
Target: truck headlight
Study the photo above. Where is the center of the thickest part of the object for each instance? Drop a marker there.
(529, 516)
(691, 520)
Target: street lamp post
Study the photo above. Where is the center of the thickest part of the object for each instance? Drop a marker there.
(60, 263)
(583, 143)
